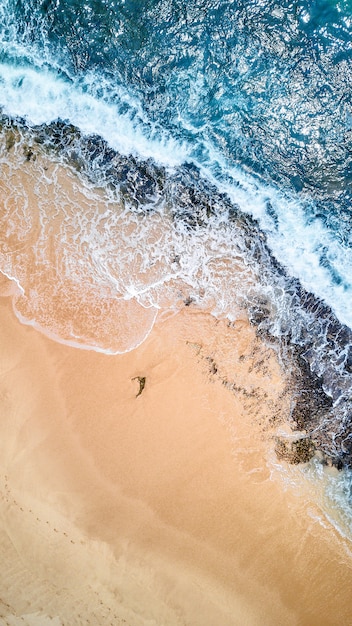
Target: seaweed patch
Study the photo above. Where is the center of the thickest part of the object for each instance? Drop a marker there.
(141, 380)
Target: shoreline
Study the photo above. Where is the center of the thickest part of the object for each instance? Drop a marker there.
(79, 258)
(156, 506)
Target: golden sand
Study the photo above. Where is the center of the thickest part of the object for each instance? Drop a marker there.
(139, 489)
(157, 508)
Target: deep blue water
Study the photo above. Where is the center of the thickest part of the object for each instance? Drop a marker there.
(254, 89)
(228, 104)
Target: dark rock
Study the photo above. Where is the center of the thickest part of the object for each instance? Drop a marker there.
(294, 452)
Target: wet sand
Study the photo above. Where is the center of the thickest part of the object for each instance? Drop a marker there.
(159, 507)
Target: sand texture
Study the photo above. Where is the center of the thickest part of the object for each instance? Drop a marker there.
(159, 507)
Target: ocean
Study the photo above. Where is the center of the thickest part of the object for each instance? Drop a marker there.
(212, 142)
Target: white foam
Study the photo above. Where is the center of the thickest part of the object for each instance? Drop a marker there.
(40, 95)
(333, 491)
(116, 266)
(298, 240)
(96, 345)
(13, 279)
(325, 492)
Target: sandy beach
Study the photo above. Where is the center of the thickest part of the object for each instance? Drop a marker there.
(136, 488)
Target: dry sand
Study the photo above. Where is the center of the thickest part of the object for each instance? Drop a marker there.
(159, 508)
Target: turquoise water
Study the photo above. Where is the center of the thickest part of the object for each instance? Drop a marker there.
(259, 90)
(210, 112)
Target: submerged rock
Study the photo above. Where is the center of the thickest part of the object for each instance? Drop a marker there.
(296, 451)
